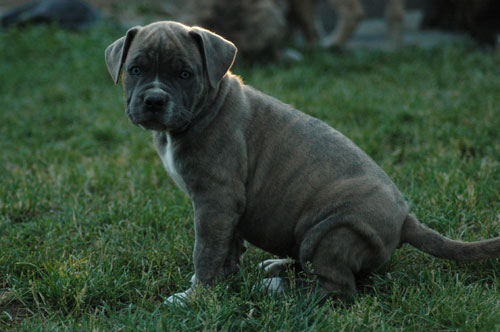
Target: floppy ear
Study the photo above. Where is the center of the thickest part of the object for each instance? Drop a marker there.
(218, 54)
(116, 53)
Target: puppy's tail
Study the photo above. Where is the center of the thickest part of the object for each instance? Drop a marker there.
(433, 243)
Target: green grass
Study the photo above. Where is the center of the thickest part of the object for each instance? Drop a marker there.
(94, 235)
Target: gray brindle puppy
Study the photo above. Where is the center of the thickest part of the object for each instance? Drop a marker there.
(256, 169)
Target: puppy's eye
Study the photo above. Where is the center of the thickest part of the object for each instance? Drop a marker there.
(135, 71)
(185, 75)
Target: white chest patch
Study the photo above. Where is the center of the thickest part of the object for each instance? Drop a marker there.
(168, 159)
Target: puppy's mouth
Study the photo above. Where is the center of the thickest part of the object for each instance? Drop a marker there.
(168, 119)
(147, 121)
(152, 125)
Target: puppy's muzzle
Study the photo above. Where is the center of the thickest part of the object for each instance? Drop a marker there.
(155, 100)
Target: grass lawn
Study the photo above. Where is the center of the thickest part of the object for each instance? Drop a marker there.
(94, 234)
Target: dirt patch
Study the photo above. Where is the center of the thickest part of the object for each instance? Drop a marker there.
(11, 310)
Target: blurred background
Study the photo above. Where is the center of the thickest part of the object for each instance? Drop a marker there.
(360, 23)
(94, 235)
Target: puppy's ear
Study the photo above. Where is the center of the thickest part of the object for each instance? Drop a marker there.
(116, 53)
(218, 54)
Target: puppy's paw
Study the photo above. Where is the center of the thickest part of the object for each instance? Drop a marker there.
(275, 285)
(275, 267)
(181, 299)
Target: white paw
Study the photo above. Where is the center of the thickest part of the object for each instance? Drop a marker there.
(181, 299)
(275, 266)
(274, 285)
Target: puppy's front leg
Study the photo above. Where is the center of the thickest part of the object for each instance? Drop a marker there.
(237, 249)
(216, 244)
(216, 254)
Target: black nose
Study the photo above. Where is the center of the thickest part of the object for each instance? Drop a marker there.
(155, 100)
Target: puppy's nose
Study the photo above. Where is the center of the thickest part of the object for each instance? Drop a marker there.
(155, 100)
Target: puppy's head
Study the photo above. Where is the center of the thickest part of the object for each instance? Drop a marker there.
(168, 69)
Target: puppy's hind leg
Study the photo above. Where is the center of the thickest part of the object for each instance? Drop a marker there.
(335, 250)
(332, 272)
(277, 270)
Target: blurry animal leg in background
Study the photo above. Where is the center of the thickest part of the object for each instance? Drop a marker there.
(302, 13)
(394, 13)
(350, 13)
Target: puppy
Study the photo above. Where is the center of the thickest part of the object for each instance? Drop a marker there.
(256, 169)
